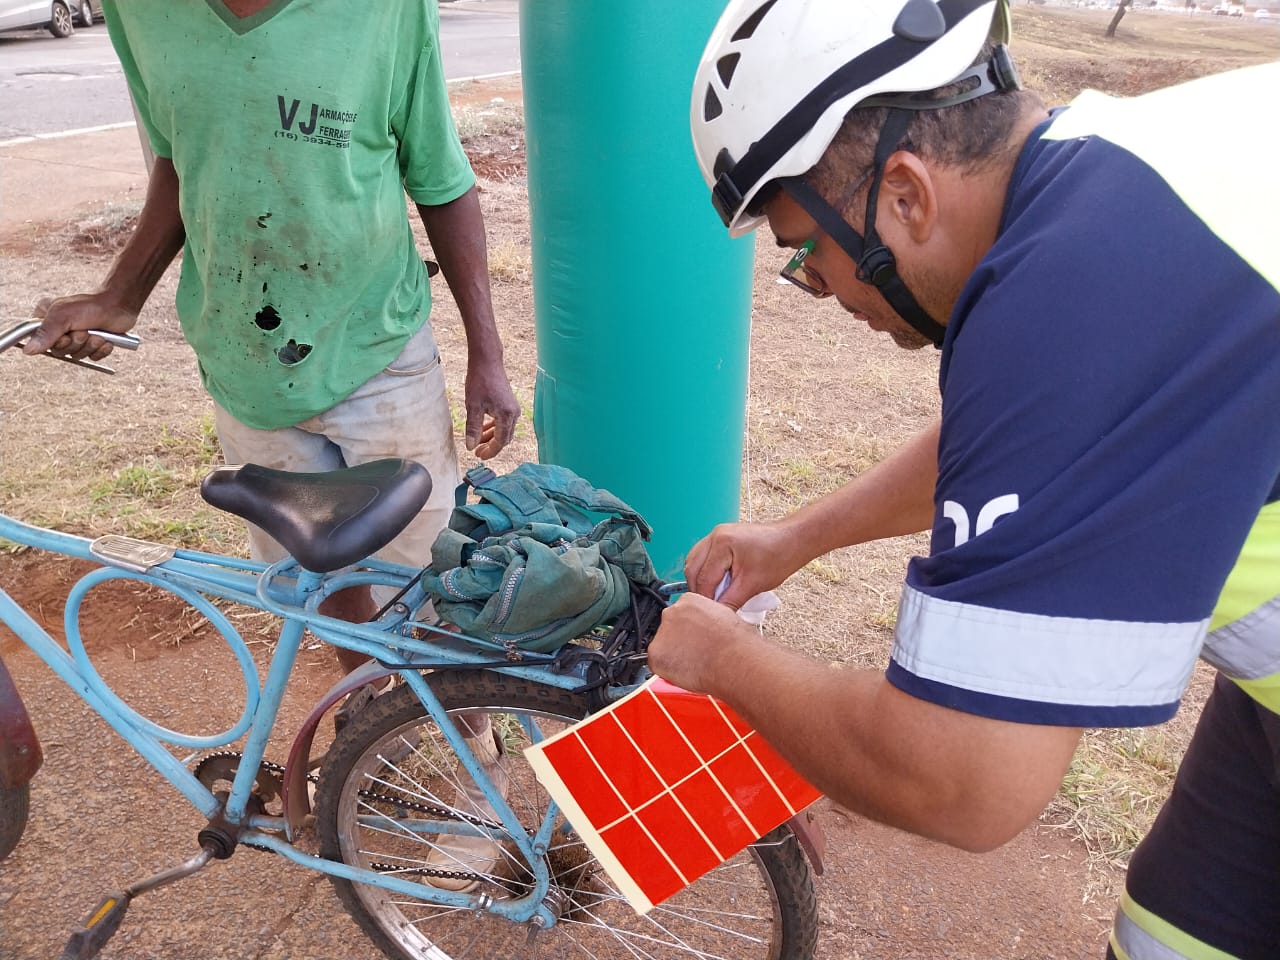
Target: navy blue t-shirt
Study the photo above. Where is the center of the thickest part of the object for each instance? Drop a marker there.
(1110, 417)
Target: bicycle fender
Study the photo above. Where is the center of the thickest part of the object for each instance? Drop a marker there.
(20, 754)
(297, 803)
(813, 841)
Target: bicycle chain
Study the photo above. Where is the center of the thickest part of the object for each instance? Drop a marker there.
(442, 812)
(413, 805)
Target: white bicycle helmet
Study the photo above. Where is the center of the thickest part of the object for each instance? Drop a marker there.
(778, 76)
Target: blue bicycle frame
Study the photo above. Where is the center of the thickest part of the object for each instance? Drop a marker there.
(294, 595)
(772, 909)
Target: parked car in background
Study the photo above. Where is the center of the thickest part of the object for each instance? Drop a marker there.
(59, 17)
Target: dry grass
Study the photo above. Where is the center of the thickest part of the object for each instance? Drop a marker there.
(1117, 782)
(510, 263)
(484, 115)
(106, 232)
(828, 399)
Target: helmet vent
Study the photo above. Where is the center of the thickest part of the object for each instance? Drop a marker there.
(726, 65)
(749, 25)
(711, 107)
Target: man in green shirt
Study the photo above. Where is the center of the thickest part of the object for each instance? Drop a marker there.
(286, 135)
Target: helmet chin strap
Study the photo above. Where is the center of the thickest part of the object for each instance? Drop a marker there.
(876, 263)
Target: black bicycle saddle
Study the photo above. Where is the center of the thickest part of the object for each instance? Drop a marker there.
(325, 520)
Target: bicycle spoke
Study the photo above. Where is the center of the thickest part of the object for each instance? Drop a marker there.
(674, 941)
(399, 775)
(625, 939)
(437, 909)
(591, 954)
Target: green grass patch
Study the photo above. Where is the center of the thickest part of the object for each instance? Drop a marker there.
(204, 530)
(196, 447)
(498, 117)
(10, 548)
(138, 481)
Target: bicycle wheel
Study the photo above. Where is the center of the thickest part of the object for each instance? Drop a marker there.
(14, 804)
(391, 761)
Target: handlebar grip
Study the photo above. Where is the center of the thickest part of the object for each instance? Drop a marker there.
(126, 341)
(18, 334)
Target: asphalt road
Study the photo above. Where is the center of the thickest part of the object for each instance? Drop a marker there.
(50, 86)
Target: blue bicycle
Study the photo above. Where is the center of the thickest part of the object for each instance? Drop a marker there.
(404, 780)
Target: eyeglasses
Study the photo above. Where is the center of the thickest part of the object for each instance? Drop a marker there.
(800, 273)
(803, 276)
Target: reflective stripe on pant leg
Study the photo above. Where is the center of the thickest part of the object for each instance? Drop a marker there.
(1140, 935)
(1208, 871)
(1244, 637)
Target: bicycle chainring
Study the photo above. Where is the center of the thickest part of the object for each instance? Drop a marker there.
(221, 768)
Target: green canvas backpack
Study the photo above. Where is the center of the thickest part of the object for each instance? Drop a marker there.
(542, 558)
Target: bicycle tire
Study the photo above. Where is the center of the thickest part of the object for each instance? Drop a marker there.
(760, 905)
(15, 803)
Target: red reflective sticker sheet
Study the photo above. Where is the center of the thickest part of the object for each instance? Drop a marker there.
(665, 785)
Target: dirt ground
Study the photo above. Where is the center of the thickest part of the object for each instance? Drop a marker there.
(827, 400)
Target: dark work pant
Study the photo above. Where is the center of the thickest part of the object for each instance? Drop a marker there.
(1211, 863)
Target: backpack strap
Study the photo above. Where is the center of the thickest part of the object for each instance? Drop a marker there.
(534, 493)
(508, 503)
(563, 485)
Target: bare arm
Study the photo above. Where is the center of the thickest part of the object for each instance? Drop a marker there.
(951, 776)
(893, 498)
(456, 231)
(134, 274)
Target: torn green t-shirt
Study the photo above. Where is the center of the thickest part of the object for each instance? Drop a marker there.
(295, 134)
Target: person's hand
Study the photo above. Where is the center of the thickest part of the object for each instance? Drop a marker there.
(67, 320)
(492, 410)
(757, 556)
(694, 634)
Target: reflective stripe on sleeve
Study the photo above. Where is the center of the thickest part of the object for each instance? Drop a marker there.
(1053, 660)
(1139, 934)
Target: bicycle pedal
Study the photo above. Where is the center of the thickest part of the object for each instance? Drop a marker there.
(88, 940)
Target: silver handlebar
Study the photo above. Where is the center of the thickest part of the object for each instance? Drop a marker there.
(19, 332)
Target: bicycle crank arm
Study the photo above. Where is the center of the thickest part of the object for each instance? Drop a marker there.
(87, 941)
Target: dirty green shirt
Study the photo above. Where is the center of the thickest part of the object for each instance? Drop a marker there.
(295, 134)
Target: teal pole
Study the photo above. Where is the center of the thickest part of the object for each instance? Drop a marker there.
(641, 300)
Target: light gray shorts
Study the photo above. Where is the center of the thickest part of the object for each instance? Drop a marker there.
(401, 412)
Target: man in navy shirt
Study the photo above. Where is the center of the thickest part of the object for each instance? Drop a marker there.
(1103, 485)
